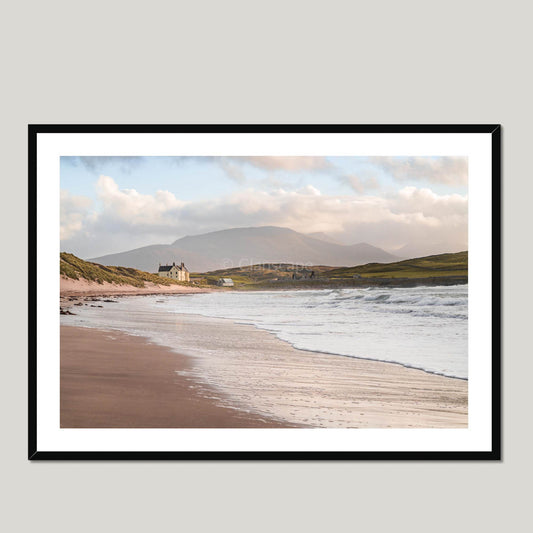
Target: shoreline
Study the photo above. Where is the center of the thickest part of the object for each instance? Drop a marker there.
(289, 387)
(359, 358)
(69, 301)
(109, 379)
(321, 389)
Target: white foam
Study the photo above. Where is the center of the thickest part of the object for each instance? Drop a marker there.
(422, 327)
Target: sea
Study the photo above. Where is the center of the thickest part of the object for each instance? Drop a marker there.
(421, 327)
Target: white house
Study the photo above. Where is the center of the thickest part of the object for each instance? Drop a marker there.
(174, 271)
(225, 282)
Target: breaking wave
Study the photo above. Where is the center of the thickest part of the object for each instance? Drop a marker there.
(420, 327)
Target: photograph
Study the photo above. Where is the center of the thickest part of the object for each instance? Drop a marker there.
(311, 283)
(276, 266)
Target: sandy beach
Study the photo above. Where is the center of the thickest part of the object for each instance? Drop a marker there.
(110, 379)
(258, 370)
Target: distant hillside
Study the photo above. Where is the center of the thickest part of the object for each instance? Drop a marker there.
(443, 268)
(72, 267)
(441, 265)
(245, 246)
(264, 272)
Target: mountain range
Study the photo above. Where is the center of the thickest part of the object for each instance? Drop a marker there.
(245, 246)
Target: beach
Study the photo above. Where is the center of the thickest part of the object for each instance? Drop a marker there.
(83, 287)
(212, 372)
(114, 380)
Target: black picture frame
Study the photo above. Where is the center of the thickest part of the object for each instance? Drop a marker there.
(494, 454)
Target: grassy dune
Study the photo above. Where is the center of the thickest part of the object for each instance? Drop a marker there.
(73, 267)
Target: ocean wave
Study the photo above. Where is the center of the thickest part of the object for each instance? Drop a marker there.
(421, 327)
(420, 300)
(376, 298)
(446, 373)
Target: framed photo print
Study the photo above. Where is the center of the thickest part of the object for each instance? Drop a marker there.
(264, 292)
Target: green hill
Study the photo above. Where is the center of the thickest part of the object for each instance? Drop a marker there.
(446, 268)
(422, 267)
(264, 272)
(431, 270)
(73, 267)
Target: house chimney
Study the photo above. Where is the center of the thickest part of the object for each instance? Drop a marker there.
(182, 265)
(174, 263)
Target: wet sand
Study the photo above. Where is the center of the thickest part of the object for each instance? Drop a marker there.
(110, 379)
(262, 372)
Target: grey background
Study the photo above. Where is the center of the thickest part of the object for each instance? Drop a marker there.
(266, 62)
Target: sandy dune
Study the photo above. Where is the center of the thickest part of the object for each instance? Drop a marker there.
(83, 287)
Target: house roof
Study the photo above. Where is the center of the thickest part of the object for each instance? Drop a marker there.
(166, 268)
(226, 280)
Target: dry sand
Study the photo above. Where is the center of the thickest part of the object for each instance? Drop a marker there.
(110, 379)
(83, 287)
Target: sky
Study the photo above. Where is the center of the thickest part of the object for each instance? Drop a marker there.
(114, 204)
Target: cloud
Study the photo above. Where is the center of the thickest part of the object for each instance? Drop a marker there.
(360, 183)
(286, 163)
(452, 170)
(128, 219)
(74, 210)
(137, 210)
(429, 204)
(233, 171)
(96, 164)
(234, 166)
(446, 170)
